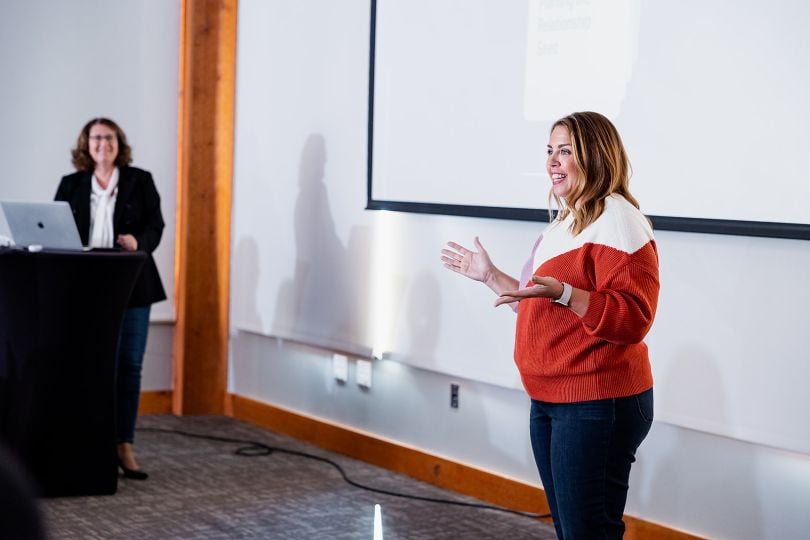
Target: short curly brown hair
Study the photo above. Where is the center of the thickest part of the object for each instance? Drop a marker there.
(81, 152)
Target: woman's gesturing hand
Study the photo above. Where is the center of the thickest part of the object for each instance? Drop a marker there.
(472, 264)
(544, 287)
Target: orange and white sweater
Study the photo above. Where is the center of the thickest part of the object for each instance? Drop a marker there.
(563, 358)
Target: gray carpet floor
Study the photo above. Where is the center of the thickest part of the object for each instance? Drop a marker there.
(200, 489)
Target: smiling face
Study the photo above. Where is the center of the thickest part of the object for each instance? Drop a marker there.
(560, 165)
(103, 145)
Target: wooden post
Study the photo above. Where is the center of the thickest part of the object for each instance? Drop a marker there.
(205, 173)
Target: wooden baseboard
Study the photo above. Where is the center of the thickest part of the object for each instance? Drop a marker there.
(155, 402)
(438, 471)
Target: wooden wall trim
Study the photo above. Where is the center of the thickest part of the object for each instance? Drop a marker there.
(155, 402)
(204, 192)
(417, 464)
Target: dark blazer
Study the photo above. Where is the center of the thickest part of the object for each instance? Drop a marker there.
(137, 212)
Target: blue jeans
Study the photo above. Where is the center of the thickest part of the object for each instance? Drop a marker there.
(131, 348)
(583, 452)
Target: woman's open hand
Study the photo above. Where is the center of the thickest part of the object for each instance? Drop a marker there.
(544, 287)
(472, 264)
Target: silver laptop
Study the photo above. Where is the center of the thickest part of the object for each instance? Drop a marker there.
(46, 224)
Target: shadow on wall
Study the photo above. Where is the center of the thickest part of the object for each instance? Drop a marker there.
(705, 482)
(325, 298)
(245, 279)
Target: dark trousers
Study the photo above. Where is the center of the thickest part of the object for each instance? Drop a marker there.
(583, 452)
(131, 348)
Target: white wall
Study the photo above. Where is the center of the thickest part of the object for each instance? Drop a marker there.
(384, 287)
(157, 362)
(310, 255)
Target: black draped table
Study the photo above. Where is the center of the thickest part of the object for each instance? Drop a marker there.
(60, 316)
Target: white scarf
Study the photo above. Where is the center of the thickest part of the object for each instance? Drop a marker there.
(102, 208)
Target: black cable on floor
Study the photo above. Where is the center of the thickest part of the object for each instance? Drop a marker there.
(254, 449)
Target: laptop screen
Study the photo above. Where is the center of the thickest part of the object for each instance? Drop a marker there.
(46, 224)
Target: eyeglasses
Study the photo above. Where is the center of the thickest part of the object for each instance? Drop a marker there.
(99, 138)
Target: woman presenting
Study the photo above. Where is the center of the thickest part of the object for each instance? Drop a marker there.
(584, 303)
(116, 205)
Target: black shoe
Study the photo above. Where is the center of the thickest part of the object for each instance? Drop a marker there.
(133, 474)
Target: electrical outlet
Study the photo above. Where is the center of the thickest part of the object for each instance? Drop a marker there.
(363, 373)
(340, 368)
(453, 396)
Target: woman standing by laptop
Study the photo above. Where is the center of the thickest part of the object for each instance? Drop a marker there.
(116, 205)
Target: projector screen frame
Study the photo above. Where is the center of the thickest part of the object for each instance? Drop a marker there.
(794, 231)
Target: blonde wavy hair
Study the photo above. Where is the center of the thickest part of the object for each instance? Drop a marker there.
(603, 168)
